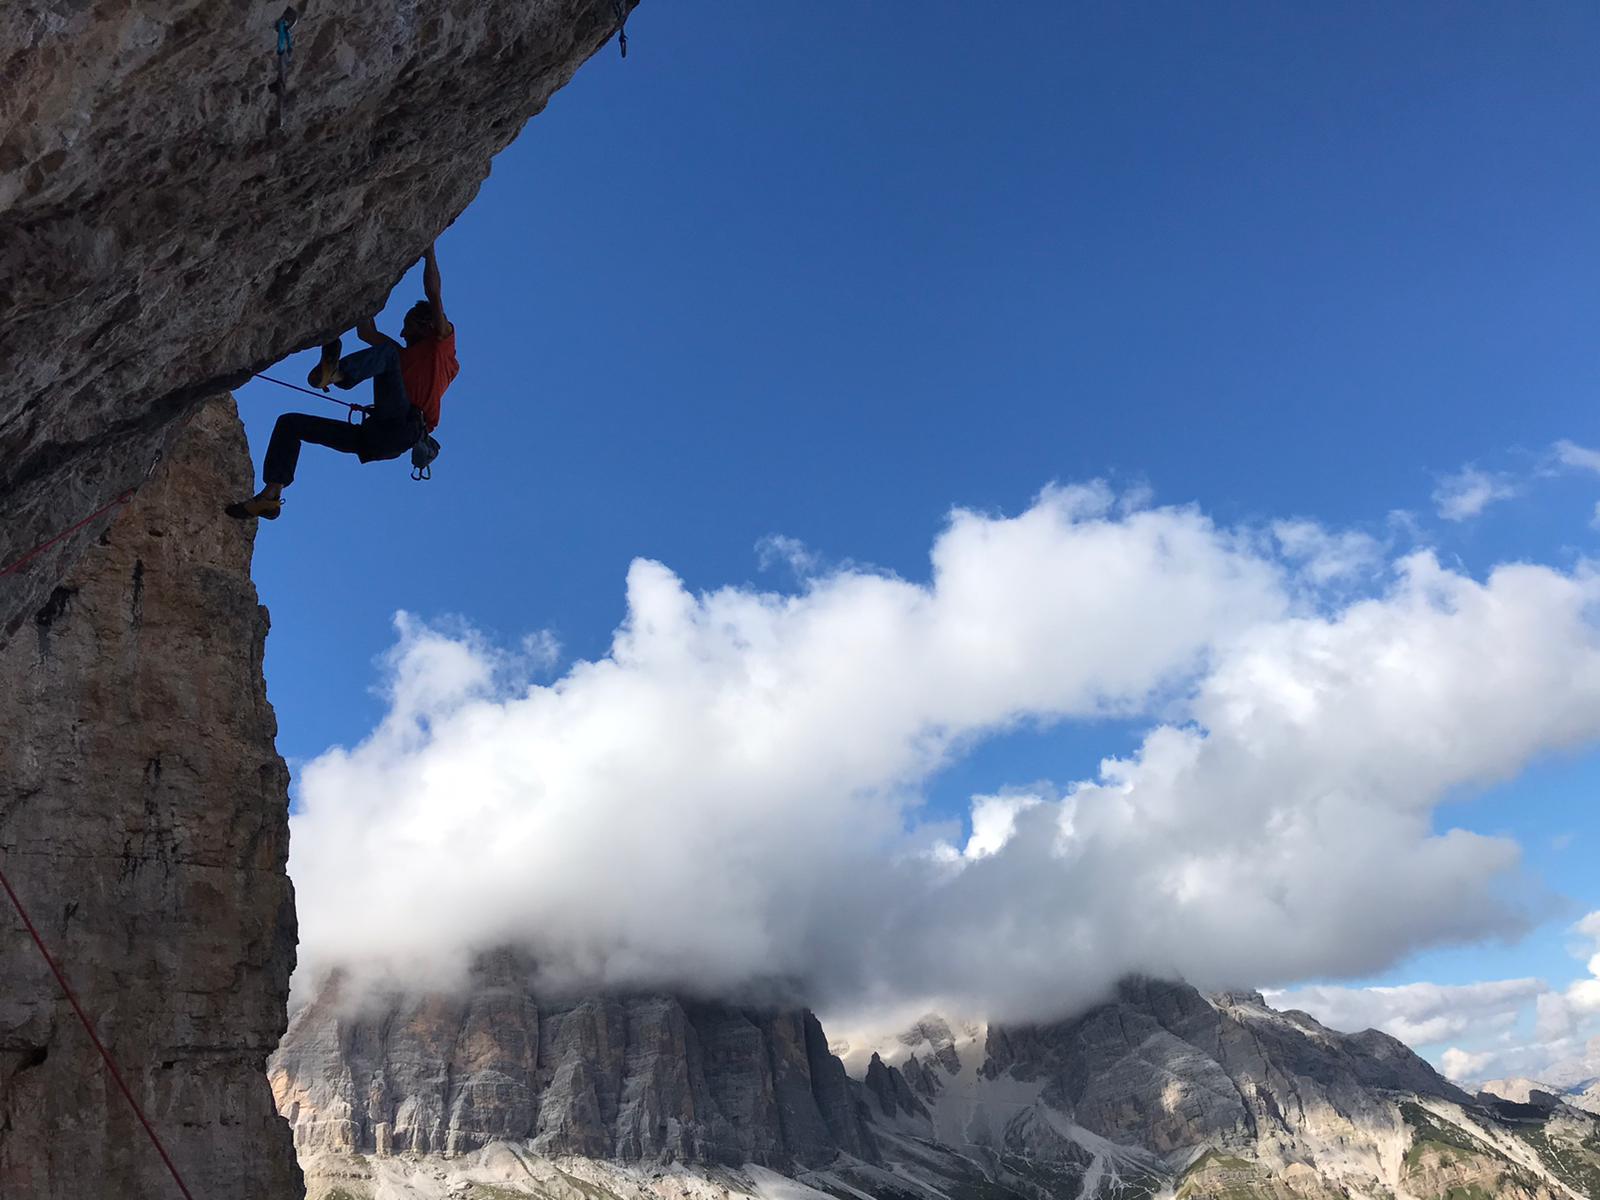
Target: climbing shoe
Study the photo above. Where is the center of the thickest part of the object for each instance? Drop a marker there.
(256, 506)
(326, 372)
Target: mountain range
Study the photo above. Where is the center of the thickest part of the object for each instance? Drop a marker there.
(1160, 1091)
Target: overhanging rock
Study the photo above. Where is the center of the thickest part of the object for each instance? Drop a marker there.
(170, 219)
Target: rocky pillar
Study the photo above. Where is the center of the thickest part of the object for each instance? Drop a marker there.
(143, 819)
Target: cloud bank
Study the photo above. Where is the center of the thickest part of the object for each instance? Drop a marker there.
(1510, 1027)
(730, 797)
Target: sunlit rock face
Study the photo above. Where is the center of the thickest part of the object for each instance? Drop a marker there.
(1159, 1091)
(170, 219)
(144, 822)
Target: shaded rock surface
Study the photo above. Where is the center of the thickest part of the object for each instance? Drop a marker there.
(627, 1078)
(1224, 1096)
(144, 820)
(1584, 1094)
(168, 222)
(1161, 1091)
(1166, 1068)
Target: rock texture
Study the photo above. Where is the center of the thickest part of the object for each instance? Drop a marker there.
(628, 1078)
(1584, 1094)
(1223, 1096)
(1168, 1069)
(169, 222)
(143, 818)
(1159, 1092)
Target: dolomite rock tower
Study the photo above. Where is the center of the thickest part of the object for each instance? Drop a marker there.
(144, 820)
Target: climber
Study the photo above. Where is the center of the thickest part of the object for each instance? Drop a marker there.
(407, 383)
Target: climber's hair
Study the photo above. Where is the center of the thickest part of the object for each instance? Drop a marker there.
(423, 308)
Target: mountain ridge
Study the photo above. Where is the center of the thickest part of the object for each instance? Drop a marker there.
(1160, 1091)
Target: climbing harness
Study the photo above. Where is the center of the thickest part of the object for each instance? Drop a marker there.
(620, 10)
(423, 452)
(88, 1027)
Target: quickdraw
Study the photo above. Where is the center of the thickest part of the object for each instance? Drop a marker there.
(619, 9)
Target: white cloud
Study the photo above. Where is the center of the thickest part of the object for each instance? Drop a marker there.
(542, 650)
(1464, 1066)
(1491, 1020)
(1469, 491)
(1327, 557)
(729, 797)
(1583, 996)
(777, 549)
(1570, 454)
(994, 821)
(1420, 1014)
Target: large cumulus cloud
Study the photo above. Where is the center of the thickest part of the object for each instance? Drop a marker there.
(730, 797)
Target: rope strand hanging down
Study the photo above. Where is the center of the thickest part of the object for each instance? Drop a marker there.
(17, 564)
(88, 1026)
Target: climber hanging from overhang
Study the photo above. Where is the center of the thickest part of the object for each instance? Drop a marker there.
(407, 384)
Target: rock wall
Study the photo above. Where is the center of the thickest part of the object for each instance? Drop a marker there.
(169, 220)
(1159, 1091)
(644, 1078)
(144, 821)
(1164, 1067)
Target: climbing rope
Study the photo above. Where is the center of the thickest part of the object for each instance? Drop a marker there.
(18, 564)
(354, 408)
(421, 461)
(88, 1027)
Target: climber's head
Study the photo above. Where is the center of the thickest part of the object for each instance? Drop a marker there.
(421, 322)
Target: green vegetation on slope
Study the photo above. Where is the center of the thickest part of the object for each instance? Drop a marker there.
(1218, 1176)
(1430, 1133)
(1576, 1163)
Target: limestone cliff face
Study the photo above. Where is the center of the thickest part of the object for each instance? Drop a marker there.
(143, 818)
(1164, 1067)
(1160, 1091)
(632, 1079)
(168, 222)
(1222, 1096)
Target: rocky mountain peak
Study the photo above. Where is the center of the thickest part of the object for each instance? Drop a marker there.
(632, 1078)
(1160, 1090)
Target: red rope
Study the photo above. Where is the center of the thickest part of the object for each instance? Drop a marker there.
(88, 1026)
(19, 563)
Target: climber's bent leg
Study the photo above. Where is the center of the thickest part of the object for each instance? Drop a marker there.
(294, 430)
(381, 364)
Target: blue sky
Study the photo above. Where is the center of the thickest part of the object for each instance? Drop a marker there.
(829, 269)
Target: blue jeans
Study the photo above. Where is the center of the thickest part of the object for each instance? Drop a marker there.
(381, 364)
(389, 431)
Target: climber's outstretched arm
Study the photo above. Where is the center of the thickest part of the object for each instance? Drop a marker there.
(367, 331)
(431, 286)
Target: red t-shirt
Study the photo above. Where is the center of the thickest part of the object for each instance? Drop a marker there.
(427, 368)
